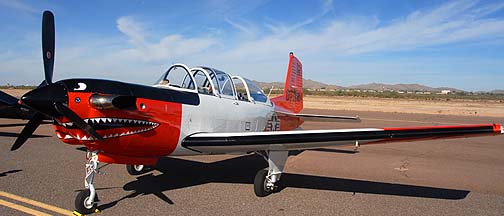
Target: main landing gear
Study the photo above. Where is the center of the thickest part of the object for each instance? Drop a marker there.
(137, 169)
(266, 180)
(87, 200)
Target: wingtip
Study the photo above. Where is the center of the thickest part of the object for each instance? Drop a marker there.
(498, 128)
(358, 119)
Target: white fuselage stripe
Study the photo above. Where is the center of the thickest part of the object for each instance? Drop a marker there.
(283, 132)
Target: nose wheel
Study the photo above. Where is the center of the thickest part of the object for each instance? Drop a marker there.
(83, 204)
(86, 201)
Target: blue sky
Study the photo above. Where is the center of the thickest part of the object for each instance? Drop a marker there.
(438, 43)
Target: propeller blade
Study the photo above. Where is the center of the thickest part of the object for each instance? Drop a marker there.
(48, 45)
(28, 130)
(7, 99)
(77, 120)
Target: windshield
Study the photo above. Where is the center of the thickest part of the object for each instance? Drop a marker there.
(256, 92)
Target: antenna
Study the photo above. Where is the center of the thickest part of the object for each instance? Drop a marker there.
(271, 89)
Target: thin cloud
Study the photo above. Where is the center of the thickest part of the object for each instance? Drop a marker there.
(132, 29)
(248, 31)
(169, 46)
(19, 6)
(453, 22)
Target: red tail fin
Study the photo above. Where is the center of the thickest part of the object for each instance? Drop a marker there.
(292, 98)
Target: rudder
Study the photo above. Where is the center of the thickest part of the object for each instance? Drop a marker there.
(292, 98)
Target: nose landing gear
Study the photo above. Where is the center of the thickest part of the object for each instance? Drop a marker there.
(86, 201)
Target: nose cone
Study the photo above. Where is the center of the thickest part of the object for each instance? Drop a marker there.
(43, 99)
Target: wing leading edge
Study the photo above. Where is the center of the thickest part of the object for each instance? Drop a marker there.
(292, 140)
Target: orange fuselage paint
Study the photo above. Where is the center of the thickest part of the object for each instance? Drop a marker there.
(154, 143)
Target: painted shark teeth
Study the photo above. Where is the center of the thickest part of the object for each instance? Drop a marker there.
(113, 121)
(110, 123)
(67, 124)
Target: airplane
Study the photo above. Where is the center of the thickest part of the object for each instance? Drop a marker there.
(191, 111)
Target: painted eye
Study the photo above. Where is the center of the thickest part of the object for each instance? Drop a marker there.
(77, 100)
(142, 106)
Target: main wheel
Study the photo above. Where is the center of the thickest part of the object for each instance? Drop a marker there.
(81, 200)
(260, 180)
(136, 169)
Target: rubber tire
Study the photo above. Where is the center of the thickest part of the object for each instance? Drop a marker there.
(132, 171)
(259, 183)
(79, 202)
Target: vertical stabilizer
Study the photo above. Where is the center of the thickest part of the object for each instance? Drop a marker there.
(292, 98)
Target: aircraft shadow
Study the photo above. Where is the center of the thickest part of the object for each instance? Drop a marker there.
(9, 134)
(179, 173)
(6, 173)
(21, 124)
(12, 125)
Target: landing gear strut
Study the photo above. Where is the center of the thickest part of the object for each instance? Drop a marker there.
(87, 200)
(266, 180)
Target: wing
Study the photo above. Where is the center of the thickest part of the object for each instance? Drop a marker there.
(292, 140)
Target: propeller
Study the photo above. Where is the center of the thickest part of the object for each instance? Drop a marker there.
(76, 120)
(48, 45)
(7, 99)
(49, 98)
(28, 130)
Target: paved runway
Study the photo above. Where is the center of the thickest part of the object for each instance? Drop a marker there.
(441, 177)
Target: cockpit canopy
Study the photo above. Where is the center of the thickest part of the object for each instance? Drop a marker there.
(210, 81)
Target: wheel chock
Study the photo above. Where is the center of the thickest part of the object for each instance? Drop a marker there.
(76, 213)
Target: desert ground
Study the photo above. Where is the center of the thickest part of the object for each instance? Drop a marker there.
(453, 107)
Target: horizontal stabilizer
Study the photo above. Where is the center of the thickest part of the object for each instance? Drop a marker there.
(321, 118)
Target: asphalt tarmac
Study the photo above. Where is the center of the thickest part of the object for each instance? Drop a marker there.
(437, 177)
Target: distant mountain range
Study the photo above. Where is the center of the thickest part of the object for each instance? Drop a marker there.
(401, 87)
(311, 84)
(307, 83)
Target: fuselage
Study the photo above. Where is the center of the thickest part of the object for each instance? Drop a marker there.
(143, 123)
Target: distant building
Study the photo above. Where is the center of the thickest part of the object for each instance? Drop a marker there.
(445, 92)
